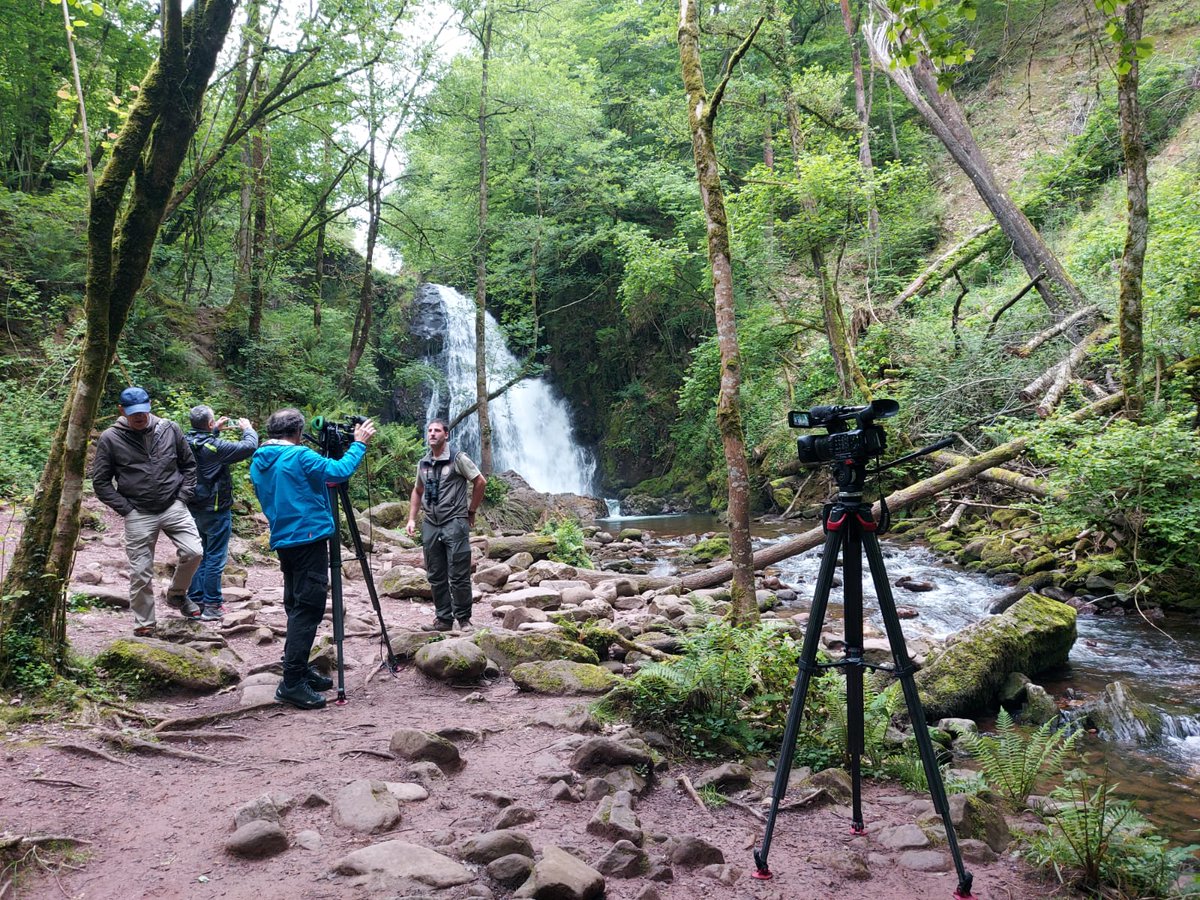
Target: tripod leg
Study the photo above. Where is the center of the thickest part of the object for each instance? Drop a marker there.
(916, 713)
(807, 666)
(335, 590)
(360, 553)
(852, 616)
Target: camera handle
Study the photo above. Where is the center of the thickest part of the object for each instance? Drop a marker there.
(851, 529)
(339, 496)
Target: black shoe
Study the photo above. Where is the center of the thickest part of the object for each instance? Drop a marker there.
(438, 625)
(317, 681)
(465, 627)
(299, 695)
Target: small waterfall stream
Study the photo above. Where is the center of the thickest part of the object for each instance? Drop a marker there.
(531, 423)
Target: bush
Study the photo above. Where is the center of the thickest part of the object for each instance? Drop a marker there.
(1014, 763)
(568, 542)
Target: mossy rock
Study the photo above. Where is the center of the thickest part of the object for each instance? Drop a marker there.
(1033, 635)
(149, 666)
(715, 547)
(391, 514)
(509, 648)
(455, 660)
(783, 496)
(563, 678)
(1008, 568)
(1040, 563)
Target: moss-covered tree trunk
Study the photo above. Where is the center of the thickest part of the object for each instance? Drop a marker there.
(1129, 306)
(481, 256)
(122, 229)
(702, 111)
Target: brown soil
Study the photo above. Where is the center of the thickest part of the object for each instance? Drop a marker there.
(157, 826)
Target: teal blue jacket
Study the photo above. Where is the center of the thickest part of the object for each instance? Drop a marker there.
(292, 482)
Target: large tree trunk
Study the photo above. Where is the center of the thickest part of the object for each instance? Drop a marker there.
(850, 376)
(945, 118)
(1129, 306)
(366, 292)
(148, 152)
(863, 113)
(481, 259)
(702, 111)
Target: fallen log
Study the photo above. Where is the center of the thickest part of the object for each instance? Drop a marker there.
(1036, 387)
(914, 493)
(539, 546)
(945, 265)
(1069, 365)
(1053, 331)
(643, 582)
(1007, 477)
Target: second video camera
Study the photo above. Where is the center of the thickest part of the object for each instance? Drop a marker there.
(843, 443)
(334, 438)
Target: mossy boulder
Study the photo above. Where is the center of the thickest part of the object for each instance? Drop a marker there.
(405, 583)
(149, 666)
(455, 660)
(563, 678)
(1035, 634)
(391, 514)
(509, 648)
(715, 547)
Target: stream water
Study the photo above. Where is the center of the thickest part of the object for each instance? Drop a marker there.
(1162, 669)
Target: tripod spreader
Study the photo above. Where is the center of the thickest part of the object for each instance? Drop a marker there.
(339, 495)
(851, 529)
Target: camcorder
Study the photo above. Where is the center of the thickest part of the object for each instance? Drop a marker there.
(333, 437)
(842, 444)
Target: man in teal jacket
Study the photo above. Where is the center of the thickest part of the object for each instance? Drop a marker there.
(291, 482)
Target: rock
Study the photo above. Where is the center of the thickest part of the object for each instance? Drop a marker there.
(391, 514)
(1035, 634)
(979, 816)
(614, 818)
(563, 678)
(563, 792)
(417, 745)
(692, 852)
(630, 534)
(537, 546)
(510, 870)
(608, 753)
(456, 660)
(495, 575)
(366, 806)
(727, 778)
(148, 666)
(95, 595)
(1039, 706)
(491, 845)
(406, 791)
(1120, 716)
(925, 861)
(903, 837)
(405, 583)
(268, 808)
(257, 839)
(956, 728)
(411, 862)
(405, 644)
(722, 872)
(976, 851)
(513, 816)
(510, 649)
(835, 783)
(560, 876)
(849, 864)
(1012, 692)
(519, 561)
(517, 616)
(531, 597)
(308, 840)
(624, 860)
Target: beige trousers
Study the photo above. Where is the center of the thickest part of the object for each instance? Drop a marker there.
(141, 534)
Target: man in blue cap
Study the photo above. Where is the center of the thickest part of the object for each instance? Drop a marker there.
(144, 469)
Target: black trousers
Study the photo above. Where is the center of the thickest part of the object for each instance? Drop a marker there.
(305, 570)
(448, 566)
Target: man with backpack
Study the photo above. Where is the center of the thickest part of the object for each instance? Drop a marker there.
(212, 503)
(450, 488)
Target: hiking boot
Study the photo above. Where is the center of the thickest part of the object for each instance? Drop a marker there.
(186, 607)
(465, 626)
(438, 625)
(299, 695)
(212, 613)
(317, 681)
(144, 631)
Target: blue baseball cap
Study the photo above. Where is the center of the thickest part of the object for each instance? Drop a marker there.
(135, 400)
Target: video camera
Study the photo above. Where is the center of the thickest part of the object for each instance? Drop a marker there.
(842, 444)
(334, 438)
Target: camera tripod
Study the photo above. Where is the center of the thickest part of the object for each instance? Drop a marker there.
(851, 528)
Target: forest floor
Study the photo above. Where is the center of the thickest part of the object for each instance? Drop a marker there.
(156, 826)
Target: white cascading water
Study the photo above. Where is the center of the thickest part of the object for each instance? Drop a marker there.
(531, 424)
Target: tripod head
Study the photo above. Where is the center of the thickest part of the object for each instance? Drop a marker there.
(332, 438)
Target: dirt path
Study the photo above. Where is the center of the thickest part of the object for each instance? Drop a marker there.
(157, 826)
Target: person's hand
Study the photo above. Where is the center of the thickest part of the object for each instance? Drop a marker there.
(221, 423)
(364, 431)
(243, 424)
(471, 518)
(411, 528)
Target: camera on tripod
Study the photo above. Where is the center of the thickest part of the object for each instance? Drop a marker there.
(843, 443)
(335, 438)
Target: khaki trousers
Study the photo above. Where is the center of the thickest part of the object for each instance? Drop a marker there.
(141, 534)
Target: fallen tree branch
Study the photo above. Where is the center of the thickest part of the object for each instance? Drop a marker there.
(201, 736)
(1070, 364)
(955, 517)
(1039, 384)
(1006, 477)
(367, 751)
(1009, 304)
(941, 268)
(686, 783)
(1053, 331)
(61, 782)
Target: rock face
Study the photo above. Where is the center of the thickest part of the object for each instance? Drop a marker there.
(1033, 635)
(454, 660)
(152, 666)
(561, 876)
(563, 678)
(510, 649)
(410, 862)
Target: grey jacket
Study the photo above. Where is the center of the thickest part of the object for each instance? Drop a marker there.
(143, 470)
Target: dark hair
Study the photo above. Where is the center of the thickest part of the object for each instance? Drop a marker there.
(285, 423)
(438, 421)
(200, 416)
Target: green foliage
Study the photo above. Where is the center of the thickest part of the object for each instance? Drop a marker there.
(825, 728)
(568, 542)
(1014, 763)
(496, 490)
(1100, 843)
(26, 666)
(726, 695)
(712, 796)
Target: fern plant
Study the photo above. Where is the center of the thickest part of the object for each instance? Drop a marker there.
(1014, 763)
(1100, 843)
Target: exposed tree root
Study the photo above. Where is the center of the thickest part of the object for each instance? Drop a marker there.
(183, 723)
(137, 745)
(85, 750)
(187, 735)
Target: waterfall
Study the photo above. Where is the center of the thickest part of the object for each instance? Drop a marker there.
(531, 424)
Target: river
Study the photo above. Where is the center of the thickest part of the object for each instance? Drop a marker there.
(1163, 669)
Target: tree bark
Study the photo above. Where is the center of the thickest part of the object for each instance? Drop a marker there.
(850, 376)
(122, 229)
(1133, 144)
(481, 257)
(973, 245)
(366, 292)
(996, 475)
(864, 117)
(702, 111)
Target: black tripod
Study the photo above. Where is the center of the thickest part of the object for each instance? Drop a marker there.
(332, 440)
(851, 528)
